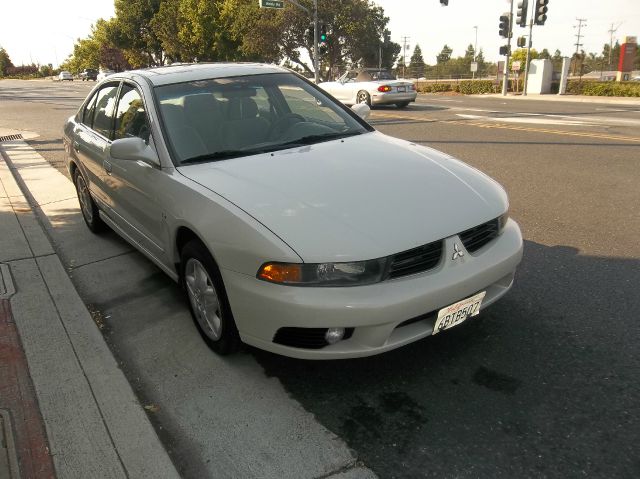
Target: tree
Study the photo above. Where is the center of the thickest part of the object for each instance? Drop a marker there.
(269, 35)
(520, 55)
(445, 54)
(416, 65)
(5, 62)
(557, 59)
(544, 54)
(132, 30)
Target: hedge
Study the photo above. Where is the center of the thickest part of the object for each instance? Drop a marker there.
(466, 87)
(599, 88)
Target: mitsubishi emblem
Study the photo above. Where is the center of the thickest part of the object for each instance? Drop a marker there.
(457, 253)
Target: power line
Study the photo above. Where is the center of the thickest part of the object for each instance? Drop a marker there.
(405, 39)
(581, 23)
(611, 32)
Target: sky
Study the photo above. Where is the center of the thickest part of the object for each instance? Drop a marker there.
(43, 31)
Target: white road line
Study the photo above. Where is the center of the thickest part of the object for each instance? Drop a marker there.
(538, 121)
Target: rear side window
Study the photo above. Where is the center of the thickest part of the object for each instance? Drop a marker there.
(131, 118)
(104, 110)
(87, 114)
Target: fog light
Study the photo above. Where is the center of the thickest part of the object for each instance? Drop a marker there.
(333, 335)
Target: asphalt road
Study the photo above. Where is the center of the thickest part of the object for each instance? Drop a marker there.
(543, 384)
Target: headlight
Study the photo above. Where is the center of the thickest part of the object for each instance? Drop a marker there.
(356, 273)
(502, 221)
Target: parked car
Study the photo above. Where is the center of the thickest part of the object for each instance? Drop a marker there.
(291, 223)
(65, 75)
(371, 86)
(104, 74)
(89, 74)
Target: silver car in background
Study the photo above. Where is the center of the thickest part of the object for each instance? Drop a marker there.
(291, 224)
(371, 86)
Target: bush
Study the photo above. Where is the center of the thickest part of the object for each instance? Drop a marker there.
(599, 88)
(466, 87)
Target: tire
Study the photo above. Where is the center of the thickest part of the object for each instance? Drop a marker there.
(88, 207)
(208, 302)
(363, 97)
(402, 104)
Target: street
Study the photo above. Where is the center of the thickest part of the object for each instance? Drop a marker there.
(542, 384)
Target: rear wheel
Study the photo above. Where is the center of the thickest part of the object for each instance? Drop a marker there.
(402, 104)
(363, 97)
(208, 299)
(88, 207)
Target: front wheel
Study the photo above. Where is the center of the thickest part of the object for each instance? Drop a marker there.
(363, 97)
(208, 301)
(88, 207)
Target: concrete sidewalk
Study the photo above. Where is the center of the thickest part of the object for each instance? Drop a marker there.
(607, 100)
(94, 424)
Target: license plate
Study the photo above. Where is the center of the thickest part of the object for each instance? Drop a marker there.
(402, 89)
(458, 312)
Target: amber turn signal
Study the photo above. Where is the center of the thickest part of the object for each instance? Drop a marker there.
(281, 273)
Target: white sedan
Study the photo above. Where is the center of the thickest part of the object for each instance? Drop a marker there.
(291, 224)
(65, 75)
(372, 87)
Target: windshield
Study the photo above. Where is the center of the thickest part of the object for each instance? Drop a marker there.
(382, 75)
(210, 120)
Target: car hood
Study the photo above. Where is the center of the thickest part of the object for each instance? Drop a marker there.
(363, 197)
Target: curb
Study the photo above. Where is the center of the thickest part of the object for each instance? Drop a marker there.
(94, 423)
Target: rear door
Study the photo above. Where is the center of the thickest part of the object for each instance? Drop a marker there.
(92, 137)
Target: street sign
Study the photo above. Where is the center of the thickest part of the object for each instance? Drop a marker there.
(271, 3)
(474, 67)
(515, 66)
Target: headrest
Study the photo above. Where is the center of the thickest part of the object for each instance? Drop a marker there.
(242, 108)
(172, 114)
(200, 104)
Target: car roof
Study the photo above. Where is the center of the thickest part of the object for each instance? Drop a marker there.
(200, 71)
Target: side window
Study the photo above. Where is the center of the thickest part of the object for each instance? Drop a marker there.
(104, 110)
(131, 119)
(87, 113)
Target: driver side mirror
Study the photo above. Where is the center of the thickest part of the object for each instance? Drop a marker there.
(362, 110)
(134, 149)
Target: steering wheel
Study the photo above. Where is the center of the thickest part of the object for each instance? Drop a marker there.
(283, 123)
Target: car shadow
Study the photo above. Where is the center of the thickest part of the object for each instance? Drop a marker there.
(541, 381)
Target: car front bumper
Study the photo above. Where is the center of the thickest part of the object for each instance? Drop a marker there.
(375, 312)
(378, 98)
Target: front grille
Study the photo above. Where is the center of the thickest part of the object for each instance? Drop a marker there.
(415, 260)
(306, 338)
(475, 238)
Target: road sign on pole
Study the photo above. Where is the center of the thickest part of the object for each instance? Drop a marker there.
(515, 66)
(474, 67)
(271, 3)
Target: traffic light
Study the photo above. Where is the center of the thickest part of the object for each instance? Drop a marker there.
(505, 25)
(444, 3)
(522, 42)
(323, 33)
(504, 50)
(387, 36)
(540, 12)
(521, 19)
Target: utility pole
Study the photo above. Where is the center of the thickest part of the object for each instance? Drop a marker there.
(316, 61)
(505, 78)
(404, 55)
(475, 49)
(581, 21)
(611, 32)
(526, 65)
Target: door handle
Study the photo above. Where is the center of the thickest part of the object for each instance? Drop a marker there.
(107, 166)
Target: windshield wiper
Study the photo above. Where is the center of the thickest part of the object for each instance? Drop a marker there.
(311, 139)
(219, 155)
